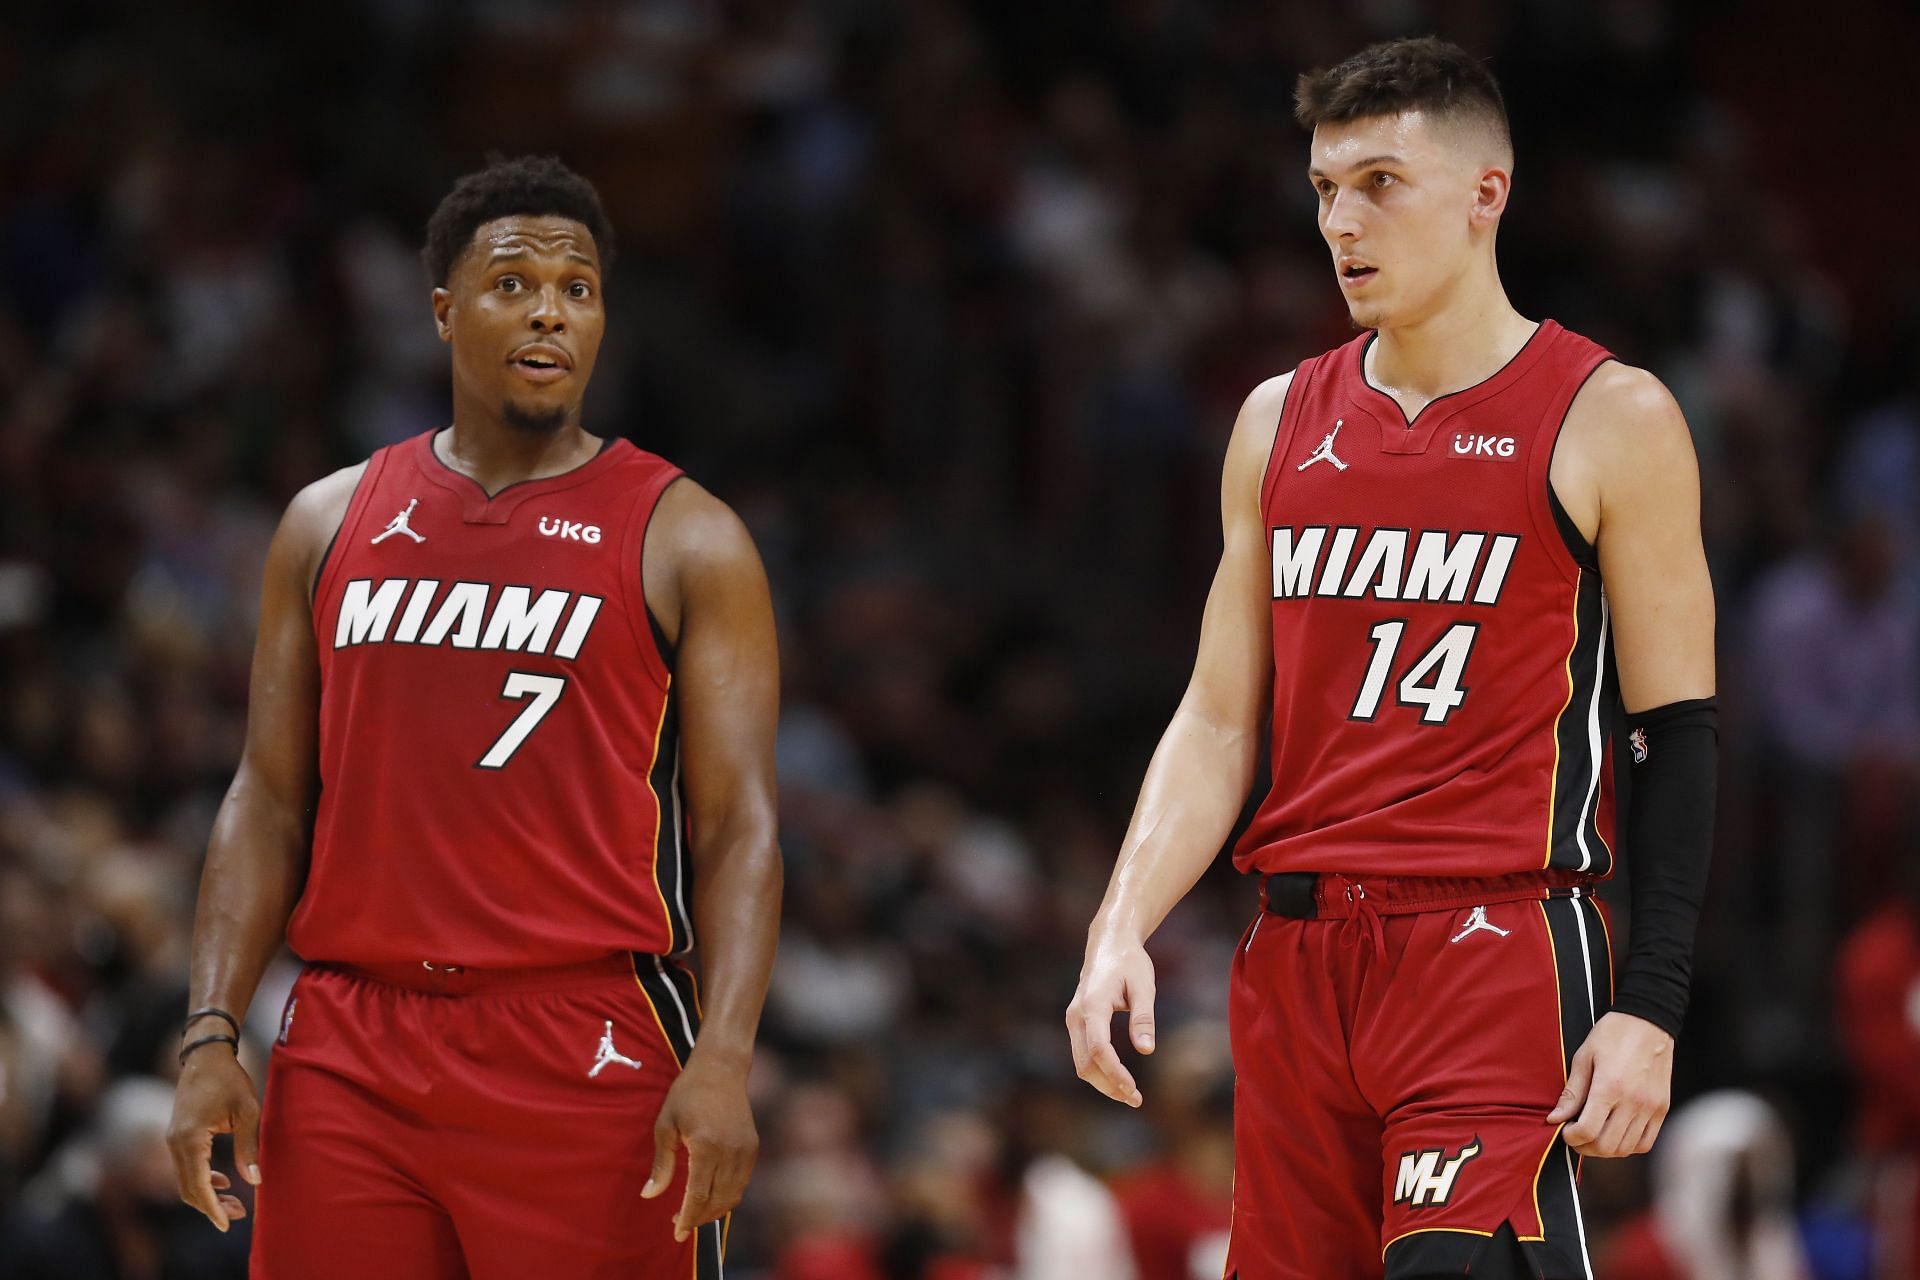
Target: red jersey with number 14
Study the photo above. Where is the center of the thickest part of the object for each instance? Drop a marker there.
(1441, 663)
(499, 760)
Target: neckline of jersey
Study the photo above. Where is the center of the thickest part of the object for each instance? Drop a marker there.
(1515, 364)
(480, 507)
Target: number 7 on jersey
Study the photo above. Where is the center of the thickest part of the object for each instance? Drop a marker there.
(545, 692)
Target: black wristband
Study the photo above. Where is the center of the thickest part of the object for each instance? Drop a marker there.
(1669, 840)
(207, 1040)
(211, 1012)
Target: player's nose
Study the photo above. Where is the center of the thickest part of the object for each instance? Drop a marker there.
(1340, 220)
(545, 315)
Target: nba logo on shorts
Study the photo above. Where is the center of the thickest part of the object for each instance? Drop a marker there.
(286, 1022)
(1638, 741)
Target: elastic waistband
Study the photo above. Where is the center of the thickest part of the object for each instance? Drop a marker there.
(454, 979)
(1321, 895)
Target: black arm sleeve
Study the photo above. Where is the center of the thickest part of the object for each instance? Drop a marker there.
(1675, 751)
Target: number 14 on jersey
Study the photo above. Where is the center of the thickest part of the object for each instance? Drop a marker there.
(1432, 683)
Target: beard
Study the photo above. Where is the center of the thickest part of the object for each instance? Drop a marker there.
(537, 422)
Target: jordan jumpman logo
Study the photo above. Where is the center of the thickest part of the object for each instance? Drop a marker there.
(399, 525)
(1478, 921)
(1325, 452)
(608, 1054)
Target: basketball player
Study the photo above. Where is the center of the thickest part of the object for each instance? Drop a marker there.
(510, 742)
(1417, 529)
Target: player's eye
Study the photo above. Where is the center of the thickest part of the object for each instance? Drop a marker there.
(508, 284)
(1382, 179)
(1325, 189)
(579, 289)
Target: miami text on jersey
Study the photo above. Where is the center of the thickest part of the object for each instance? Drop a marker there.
(1318, 560)
(468, 615)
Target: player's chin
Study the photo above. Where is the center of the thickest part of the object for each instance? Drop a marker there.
(535, 415)
(1366, 315)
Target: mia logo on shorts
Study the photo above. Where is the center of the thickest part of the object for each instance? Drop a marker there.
(1426, 1177)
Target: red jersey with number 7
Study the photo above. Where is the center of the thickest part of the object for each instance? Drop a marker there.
(1442, 672)
(499, 758)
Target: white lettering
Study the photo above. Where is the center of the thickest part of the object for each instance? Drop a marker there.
(1379, 566)
(1494, 576)
(579, 622)
(1441, 572)
(1418, 1170)
(516, 626)
(1422, 1180)
(465, 605)
(1477, 445)
(1293, 566)
(416, 611)
(366, 613)
(575, 530)
(1442, 568)
(1337, 561)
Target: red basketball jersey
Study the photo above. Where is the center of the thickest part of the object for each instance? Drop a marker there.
(499, 760)
(1441, 663)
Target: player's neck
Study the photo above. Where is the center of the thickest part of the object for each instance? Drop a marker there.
(495, 454)
(1465, 342)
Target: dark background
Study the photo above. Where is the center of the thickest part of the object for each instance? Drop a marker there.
(955, 304)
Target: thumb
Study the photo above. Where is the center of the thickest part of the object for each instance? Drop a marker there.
(1140, 995)
(246, 1141)
(1140, 1025)
(1575, 1093)
(666, 1140)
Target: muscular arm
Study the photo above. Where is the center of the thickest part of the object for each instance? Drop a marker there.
(256, 857)
(1200, 773)
(1625, 470)
(704, 571)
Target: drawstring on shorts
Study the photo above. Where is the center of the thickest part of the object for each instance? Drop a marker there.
(1367, 919)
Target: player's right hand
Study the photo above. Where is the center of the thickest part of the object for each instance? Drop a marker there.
(215, 1095)
(1113, 981)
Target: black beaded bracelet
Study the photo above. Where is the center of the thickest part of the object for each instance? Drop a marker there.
(207, 1040)
(211, 1012)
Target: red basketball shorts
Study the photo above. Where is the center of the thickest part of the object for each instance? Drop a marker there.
(438, 1125)
(1397, 1056)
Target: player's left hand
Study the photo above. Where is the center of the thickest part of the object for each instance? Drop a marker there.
(706, 1111)
(1620, 1086)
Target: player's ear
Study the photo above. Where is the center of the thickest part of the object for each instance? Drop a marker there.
(1490, 196)
(442, 308)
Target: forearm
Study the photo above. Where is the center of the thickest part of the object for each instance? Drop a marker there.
(256, 864)
(736, 906)
(1669, 842)
(1193, 791)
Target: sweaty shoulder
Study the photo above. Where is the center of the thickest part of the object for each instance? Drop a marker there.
(692, 536)
(1624, 432)
(313, 518)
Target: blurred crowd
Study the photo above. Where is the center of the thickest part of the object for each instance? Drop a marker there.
(955, 303)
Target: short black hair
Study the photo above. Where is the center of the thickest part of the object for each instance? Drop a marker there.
(1421, 74)
(529, 185)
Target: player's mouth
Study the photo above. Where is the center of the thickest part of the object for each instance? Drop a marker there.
(1354, 273)
(539, 362)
